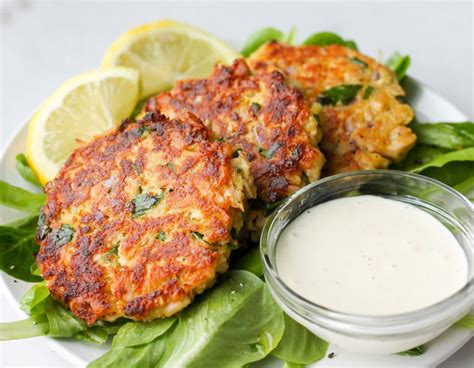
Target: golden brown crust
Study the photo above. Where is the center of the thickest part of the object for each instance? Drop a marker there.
(139, 220)
(367, 133)
(260, 114)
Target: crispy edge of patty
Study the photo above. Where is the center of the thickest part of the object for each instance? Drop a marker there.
(261, 114)
(89, 208)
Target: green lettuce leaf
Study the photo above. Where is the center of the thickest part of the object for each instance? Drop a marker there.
(25, 170)
(19, 198)
(23, 329)
(260, 37)
(467, 321)
(451, 136)
(29, 222)
(413, 352)
(299, 345)
(34, 300)
(141, 356)
(141, 333)
(329, 38)
(467, 188)
(233, 324)
(250, 261)
(453, 173)
(62, 323)
(137, 344)
(17, 249)
(399, 64)
(442, 159)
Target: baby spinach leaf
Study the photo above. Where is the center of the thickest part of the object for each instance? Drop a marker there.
(20, 198)
(452, 173)
(293, 365)
(290, 38)
(25, 170)
(141, 356)
(329, 38)
(94, 334)
(260, 37)
(28, 222)
(467, 321)
(137, 344)
(62, 323)
(17, 249)
(413, 352)
(140, 333)
(231, 325)
(399, 64)
(250, 261)
(344, 94)
(452, 136)
(442, 159)
(418, 156)
(299, 345)
(34, 300)
(23, 329)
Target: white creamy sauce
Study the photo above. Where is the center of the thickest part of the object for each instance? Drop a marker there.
(370, 255)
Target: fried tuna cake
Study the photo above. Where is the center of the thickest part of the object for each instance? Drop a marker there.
(357, 101)
(141, 219)
(260, 114)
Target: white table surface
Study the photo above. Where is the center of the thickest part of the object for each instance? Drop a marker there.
(45, 42)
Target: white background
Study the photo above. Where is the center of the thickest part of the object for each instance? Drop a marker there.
(45, 42)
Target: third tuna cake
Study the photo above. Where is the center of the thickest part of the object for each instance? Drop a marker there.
(357, 101)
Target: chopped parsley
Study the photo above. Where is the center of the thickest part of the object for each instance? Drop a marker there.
(143, 202)
(161, 236)
(139, 131)
(271, 151)
(197, 235)
(359, 62)
(42, 229)
(114, 250)
(171, 166)
(368, 91)
(236, 153)
(344, 94)
(63, 235)
(136, 168)
(316, 116)
(255, 108)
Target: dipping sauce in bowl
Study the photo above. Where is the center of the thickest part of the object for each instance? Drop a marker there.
(370, 255)
(376, 262)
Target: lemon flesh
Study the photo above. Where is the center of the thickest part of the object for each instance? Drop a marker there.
(167, 51)
(78, 110)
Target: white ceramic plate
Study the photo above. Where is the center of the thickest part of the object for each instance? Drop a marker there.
(428, 105)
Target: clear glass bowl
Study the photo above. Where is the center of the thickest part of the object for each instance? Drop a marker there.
(375, 334)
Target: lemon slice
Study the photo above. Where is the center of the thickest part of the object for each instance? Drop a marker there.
(81, 108)
(166, 51)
